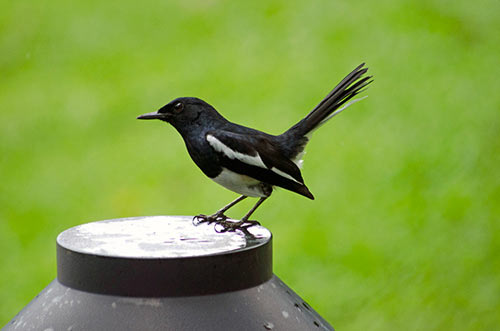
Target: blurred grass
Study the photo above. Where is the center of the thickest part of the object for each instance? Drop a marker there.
(404, 232)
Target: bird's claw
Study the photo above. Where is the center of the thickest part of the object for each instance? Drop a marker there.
(225, 224)
(215, 218)
(228, 226)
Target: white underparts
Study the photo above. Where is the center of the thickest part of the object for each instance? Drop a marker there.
(298, 160)
(241, 184)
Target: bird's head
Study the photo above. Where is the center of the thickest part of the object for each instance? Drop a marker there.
(182, 112)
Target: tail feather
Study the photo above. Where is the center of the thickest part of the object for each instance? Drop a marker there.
(349, 87)
(331, 105)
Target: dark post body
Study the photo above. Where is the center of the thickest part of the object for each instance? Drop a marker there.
(164, 273)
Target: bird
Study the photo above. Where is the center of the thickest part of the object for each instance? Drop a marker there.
(248, 161)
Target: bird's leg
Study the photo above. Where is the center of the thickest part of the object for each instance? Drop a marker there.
(218, 216)
(232, 226)
(250, 212)
(229, 205)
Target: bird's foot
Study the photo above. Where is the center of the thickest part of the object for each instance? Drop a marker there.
(215, 218)
(228, 226)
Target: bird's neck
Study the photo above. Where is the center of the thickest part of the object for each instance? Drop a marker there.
(197, 129)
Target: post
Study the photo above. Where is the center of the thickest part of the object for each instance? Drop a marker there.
(164, 273)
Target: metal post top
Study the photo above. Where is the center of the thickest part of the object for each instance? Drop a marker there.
(162, 256)
(157, 237)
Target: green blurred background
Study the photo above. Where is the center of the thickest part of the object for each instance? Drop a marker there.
(404, 232)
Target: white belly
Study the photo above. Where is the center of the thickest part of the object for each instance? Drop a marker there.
(239, 183)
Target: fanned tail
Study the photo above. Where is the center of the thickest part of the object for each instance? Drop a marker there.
(335, 102)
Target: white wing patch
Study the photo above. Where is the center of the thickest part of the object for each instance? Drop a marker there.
(256, 160)
(222, 148)
(284, 174)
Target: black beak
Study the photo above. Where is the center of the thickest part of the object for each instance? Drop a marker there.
(153, 116)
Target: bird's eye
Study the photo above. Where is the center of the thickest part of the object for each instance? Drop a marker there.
(178, 107)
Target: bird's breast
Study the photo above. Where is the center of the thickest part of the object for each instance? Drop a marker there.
(203, 156)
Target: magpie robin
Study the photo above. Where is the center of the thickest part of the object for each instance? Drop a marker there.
(248, 161)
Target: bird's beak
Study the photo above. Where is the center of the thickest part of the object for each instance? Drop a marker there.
(152, 116)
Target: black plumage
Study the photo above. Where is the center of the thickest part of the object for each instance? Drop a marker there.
(248, 161)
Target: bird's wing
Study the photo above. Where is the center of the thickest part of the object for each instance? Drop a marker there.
(256, 156)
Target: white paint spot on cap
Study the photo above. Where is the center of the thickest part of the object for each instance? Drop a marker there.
(153, 237)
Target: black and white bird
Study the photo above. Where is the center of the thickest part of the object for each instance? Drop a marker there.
(248, 161)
